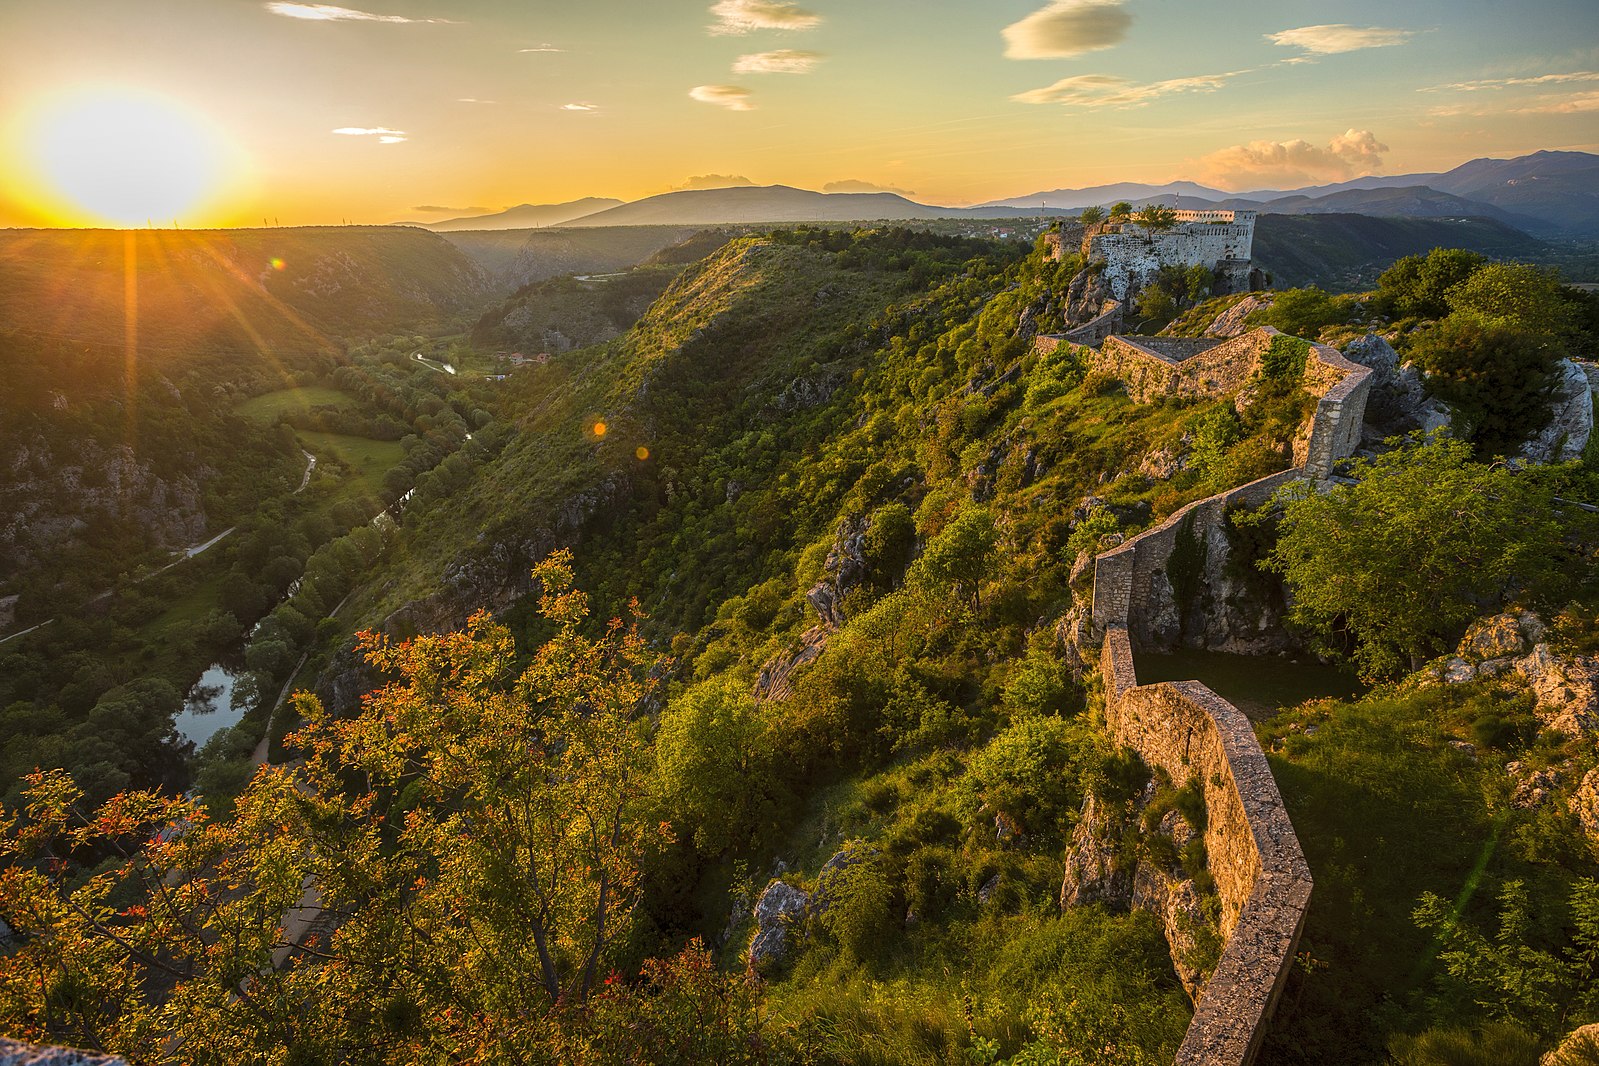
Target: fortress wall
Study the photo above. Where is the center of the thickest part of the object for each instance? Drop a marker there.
(1185, 728)
(1133, 254)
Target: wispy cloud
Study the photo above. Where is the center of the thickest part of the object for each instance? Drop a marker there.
(331, 13)
(1339, 37)
(473, 100)
(1296, 162)
(580, 107)
(382, 133)
(714, 181)
(732, 97)
(1563, 104)
(1067, 28)
(1511, 83)
(540, 48)
(1109, 90)
(738, 17)
(782, 61)
(856, 185)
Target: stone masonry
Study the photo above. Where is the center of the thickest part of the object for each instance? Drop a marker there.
(1260, 872)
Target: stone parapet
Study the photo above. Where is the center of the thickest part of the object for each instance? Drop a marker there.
(1193, 734)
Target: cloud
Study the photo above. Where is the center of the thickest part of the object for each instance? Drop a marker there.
(540, 48)
(738, 17)
(1109, 90)
(732, 97)
(580, 107)
(782, 61)
(714, 181)
(1564, 104)
(1296, 162)
(330, 13)
(434, 209)
(1067, 28)
(856, 185)
(1339, 37)
(473, 100)
(1508, 83)
(382, 133)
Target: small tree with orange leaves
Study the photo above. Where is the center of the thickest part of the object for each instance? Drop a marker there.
(447, 870)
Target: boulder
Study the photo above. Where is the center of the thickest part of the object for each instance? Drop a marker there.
(1571, 421)
(1176, 902)
(1533, 788)
(1399, 402)
(1501, 635)
(779, 906)
(16, 1053)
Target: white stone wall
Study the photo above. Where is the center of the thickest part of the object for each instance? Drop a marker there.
(1133, 254)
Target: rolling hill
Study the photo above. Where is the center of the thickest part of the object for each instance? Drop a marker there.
(523, 216)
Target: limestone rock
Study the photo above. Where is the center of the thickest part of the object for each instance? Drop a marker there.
(1510, 633)
(1176, 902)
(1567, 690)
(1584, 803)
(827, 877)
(1174, 826)
(779, 905)
(16, 1053)
(1399, 402)
(1578, 1049)
(1230, 323)
(843, 570)
(1532, 787)
(776, 679)
(1572, 419)
(1096, 870)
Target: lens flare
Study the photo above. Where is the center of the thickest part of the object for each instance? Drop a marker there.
(600, 428)
(277, 264)
(641, 452)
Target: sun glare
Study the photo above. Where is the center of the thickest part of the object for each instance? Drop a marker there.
(125, 157)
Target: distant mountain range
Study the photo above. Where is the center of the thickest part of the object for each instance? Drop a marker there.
(1547, 194)
(524, 216)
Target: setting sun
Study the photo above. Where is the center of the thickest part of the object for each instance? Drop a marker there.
(121, 157)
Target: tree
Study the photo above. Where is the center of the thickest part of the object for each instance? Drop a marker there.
(1120, 209)
(474, 833)
(960, 557)
(1516, 294)
(1092, 215)
(1402, 559)
(1156, 216)
(1415, 286)
(1497, 374)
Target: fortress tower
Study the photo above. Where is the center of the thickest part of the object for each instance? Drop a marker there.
(1133, 253)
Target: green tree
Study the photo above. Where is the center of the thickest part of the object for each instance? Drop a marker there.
(1156, 216)
(1092, 215)
(1416, 286)
(1120, 209)
(960, 557)
(1402, 559)
(1528, 297)
(1497, 374)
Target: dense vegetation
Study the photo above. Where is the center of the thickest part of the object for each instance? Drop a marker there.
(837, 500)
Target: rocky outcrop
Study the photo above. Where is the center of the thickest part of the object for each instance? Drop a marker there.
(843, 570)
(1191, 936)
(1584, 803)
(1102, 866)
(16, 1053)
(1230, 323)
(1399, 402)
(1512, 646)
(780, 905)
(1571, 418)
(1098, 868)
(1581, 1048)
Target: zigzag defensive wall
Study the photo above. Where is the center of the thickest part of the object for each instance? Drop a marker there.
(1191, 732)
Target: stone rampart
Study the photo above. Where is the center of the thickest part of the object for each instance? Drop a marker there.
(1260, 872)
(1090, 334)
(1193, 734)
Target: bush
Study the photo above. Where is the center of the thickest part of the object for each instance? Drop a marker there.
(1497, 374)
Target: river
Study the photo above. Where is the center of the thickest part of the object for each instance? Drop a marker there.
(208, 707)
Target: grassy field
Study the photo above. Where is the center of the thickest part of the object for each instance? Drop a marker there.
(365, 460)
(269, 405)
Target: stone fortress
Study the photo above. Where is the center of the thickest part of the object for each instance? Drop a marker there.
(1134, 253)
